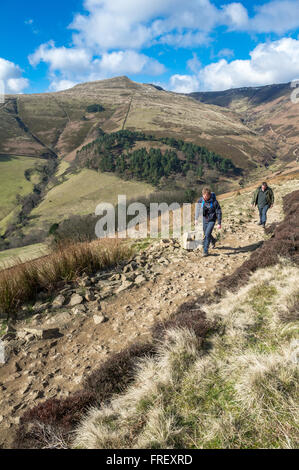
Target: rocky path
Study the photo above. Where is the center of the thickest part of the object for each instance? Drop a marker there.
(99, 316)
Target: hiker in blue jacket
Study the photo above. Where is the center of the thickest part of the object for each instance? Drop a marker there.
(209, 208)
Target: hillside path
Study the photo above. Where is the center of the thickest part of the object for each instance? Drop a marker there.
(42, 369)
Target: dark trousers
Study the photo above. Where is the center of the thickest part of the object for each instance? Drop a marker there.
(263, 214)
(208, 228)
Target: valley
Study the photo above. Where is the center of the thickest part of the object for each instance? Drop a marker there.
(97, 317)
(247, 126)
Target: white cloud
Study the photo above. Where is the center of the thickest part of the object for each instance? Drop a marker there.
(278, 16)
(69, 66)
(134, 24)
(60, 85)
(109, 36)
(70, 60)
(235, 15)
(11, 77)
(184, 83)
(271, 62)
(194, 64)
(226, 53)
(128, 62)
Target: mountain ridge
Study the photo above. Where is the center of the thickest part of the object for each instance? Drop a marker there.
(254, 128)
(60, 122)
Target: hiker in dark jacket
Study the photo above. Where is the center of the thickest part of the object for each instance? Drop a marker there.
(209, 208)
(263, 198)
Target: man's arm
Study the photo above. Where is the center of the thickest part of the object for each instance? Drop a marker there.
(272, 197)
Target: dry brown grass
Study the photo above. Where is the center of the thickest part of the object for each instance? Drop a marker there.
(283, 243)
(21, 283)
(241, 392)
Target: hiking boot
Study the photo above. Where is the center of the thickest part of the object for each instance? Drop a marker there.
(213, 243)
(205, 255)
(260, 223)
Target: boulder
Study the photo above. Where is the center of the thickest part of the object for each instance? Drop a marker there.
(61, 318)
(98, 319)
(76, 299)
(58, 302)
(79, 309)
(40, 307)
(140, 280)
(22, 334)
(125, 285)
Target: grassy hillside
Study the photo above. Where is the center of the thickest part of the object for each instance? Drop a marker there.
(247, 126)
(217, 371)
(62, 120)
(225, 372)
(25, 253)
(80, 194)
(242, 98)
(241, 393)
(13, 183)
(267, 110)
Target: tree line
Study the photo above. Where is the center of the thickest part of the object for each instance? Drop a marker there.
(114, 153)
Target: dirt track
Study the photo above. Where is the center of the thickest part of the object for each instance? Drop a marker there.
(44, 369)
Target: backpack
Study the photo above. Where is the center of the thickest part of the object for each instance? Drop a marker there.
(213, 199)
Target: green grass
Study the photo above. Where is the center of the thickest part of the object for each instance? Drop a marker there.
(3, 326)
(13, 181)
(141, 245)
(81, 193)
(26, 253)
(9, 219)
(63, 166)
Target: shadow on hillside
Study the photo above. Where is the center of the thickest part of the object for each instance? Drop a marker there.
(241, 249)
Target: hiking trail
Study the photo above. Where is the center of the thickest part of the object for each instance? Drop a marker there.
(41, 369)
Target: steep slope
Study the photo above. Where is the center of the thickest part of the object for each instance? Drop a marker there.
(268, 110)
(55, 369)
(250, 126)
(61, 120)
(243, 98)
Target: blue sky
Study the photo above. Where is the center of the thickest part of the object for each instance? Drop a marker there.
(184, 46)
